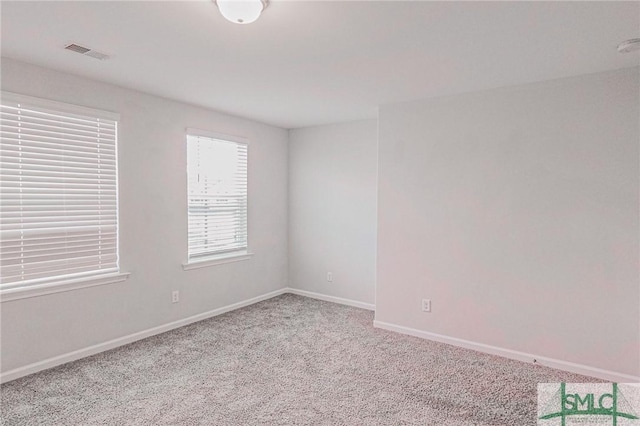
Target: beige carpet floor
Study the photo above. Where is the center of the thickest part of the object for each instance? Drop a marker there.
(289, 360)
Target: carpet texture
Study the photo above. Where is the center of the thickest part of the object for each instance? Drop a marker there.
(289, 360)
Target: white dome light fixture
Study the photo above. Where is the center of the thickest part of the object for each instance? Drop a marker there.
(241, 11)
(629, 46)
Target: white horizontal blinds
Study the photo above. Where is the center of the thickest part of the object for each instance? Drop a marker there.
(217, 180)
(58, 192)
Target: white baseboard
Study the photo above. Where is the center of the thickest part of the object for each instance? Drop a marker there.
(340, 300)
(571, 367)
(480, 347)
(111, 344)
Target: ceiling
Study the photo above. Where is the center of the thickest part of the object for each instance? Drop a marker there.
(306, 63)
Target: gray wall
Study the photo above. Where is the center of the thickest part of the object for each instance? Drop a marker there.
(332, 209)
(516, 212)
(153, 224)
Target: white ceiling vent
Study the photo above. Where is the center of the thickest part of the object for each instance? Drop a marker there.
(86, 51)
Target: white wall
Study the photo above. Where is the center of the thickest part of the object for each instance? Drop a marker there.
(153, 224)
(332, 209)
(516, 212)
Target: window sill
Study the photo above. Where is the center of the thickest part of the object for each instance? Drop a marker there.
(60, 286)
(217, 260)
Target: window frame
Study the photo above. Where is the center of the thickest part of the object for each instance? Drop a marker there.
(63, 283)
(220, 257)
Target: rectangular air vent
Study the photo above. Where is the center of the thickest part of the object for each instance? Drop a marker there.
(77, 49)
(86, 51)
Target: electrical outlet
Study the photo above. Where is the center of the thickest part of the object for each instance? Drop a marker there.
(426, 305)
(175, 296)
(330, 277)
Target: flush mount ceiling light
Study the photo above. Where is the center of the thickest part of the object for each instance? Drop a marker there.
(241, 11)
(629, 45)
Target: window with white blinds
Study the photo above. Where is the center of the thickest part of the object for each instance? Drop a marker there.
(58, 209)
(217, 196)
